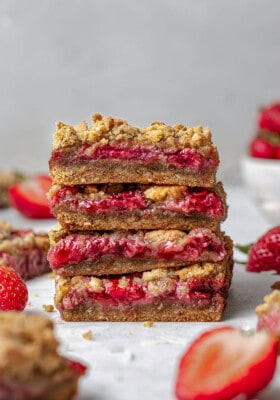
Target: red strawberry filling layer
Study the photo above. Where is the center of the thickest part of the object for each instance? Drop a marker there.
(193, 201)
(131, 288)
(188, 157)
(198, 245)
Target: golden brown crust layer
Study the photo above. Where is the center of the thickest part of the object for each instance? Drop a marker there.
(110, 171)
(161, 311)
(132, 220)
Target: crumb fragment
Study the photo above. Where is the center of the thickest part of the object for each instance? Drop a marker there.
(48, 307)
(52, 275)
(148, 324)
(276, 285)
(88, 335)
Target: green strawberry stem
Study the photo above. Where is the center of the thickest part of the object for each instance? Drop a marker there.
(243, 248)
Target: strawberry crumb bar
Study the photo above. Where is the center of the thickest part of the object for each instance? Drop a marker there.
(118, 152)
(24, 250)
(118, 252)
(268, 314)
(30, 366)
(194, 293)
(118, 206)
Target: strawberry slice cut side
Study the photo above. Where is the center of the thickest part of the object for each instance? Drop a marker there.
(223, 363)
(29, 197)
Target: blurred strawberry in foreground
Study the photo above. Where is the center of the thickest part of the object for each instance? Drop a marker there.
(266, 143)
(264, 254)
(13, 290)
(29, 197)
(224, 363)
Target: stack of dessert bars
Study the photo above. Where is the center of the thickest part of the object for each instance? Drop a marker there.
(139, 223)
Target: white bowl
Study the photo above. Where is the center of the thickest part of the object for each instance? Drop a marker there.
(262, 180)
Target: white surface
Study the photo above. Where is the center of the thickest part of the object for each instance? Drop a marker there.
(185, 61)
(127, 361)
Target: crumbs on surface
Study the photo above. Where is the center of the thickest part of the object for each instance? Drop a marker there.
(48, 307)
(88, 335)
(148, 324)
(276, 285)
(115, 130)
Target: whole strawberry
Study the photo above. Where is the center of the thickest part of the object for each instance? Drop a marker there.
(262, 148)
(264, 254)
(13, 290)
(269, 118)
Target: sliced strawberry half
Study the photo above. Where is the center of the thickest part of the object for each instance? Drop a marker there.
(223, 363)
(29, 197)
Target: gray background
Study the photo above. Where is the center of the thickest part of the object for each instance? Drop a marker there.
(209, 62)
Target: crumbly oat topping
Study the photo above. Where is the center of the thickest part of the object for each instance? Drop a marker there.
(12, 239)
(113, 131)
(159, 236)
(28, 346)
(96, 284)
(208, 270)
(160, 193)
(271, 301)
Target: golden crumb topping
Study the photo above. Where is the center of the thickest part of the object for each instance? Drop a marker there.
(115, 131)
(159, 236)
(203, 271)
(271, 301)
(160, 193)
(12, 239)
(28, 345)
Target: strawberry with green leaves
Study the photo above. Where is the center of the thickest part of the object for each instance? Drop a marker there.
(224, 363)
(13, 290)
(264, 254)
